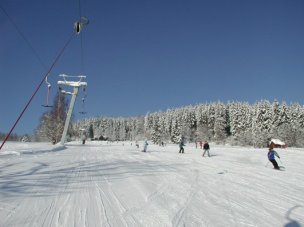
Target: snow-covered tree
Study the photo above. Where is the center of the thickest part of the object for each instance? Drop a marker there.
(240, 122)
(156, 134)
(261, 123)
(211, 119)
(246, 124)
(175, 129)
(296, 115)
(52, 122)
(201, 115)
(220, 123)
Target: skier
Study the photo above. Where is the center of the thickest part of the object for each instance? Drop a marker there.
(201, 144)
(181, 146)
(206, 149)
(271, 157)
(83, 137)
(145, 146)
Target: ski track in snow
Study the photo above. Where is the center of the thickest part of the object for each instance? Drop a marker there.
(191, 192)
(102, 184)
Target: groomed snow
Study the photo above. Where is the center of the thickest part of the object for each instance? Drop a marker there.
(101, 184)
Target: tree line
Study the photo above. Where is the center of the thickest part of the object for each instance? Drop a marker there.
(236, 123)
(17, 137)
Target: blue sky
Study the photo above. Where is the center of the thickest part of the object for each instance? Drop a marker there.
(145, 56)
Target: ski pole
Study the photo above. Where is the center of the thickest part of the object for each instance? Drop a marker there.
(267, 164)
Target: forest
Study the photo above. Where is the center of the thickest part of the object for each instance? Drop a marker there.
(235, 123)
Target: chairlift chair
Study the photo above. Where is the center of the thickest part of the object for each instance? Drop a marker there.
(48, 94)
(83, 101)
(82, 107)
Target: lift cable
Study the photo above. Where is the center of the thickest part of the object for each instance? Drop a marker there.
(78, 27)
(23, 37)
(38, 87)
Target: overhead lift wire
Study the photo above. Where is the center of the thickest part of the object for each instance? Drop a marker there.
(81, 39)
(33, 50)
(38, 87)
(82, 59)
(23, 37)
(82, 21)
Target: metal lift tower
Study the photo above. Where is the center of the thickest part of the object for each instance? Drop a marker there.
(76, 85)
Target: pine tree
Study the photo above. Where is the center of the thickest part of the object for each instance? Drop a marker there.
(201, 115)
(156, 134)
(296, 115)
(211, 119)
(261, 123)
(220, 123)
(240, 122)
(175, 130)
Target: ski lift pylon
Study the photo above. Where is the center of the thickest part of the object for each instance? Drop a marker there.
(76, 85)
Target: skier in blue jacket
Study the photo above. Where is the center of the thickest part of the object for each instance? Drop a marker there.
(271, 157)
(145, 146)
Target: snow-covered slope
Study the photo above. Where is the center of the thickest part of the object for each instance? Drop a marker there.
(100, 184)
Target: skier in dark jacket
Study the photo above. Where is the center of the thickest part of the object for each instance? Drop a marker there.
(181, 146)
(271, 157)
(206, 148)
